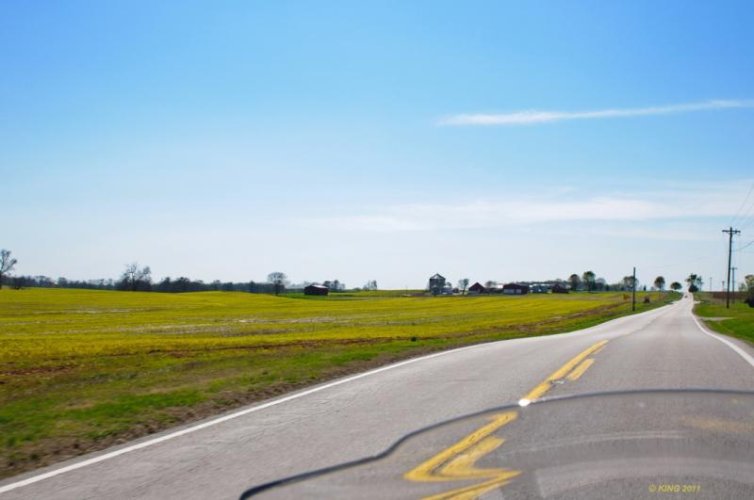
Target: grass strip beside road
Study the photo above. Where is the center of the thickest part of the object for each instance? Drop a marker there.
(82, 370)
(737, 321)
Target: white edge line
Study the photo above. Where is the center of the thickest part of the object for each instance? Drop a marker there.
(730, 344)
(219, 420)
(231, 416)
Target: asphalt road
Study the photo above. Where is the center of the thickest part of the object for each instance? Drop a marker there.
(362, 415)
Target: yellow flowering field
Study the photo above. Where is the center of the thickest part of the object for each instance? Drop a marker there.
(84, 369)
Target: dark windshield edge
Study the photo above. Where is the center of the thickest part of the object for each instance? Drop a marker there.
(255, 490)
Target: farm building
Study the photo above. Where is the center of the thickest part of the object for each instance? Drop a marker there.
(477, 288)
(436, 284)
(515, 289)
(315, 289)
(559, 288)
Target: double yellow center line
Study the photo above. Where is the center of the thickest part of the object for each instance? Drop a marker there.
(573, 369)
(458, 462)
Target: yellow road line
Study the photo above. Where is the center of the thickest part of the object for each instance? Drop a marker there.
(499, 477)
(458, 462)
(561, 372)
(463, 464)
(426, 471)
(580, 369)
(463, 467)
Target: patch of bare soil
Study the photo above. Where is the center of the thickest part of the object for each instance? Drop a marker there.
(36, 370)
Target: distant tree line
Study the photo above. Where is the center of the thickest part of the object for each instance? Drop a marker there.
(370, 285)
(589, 282)
(167, 285)
(136, 278)
(334, 285)
(47, 282)
(139, 279)
(183, 284)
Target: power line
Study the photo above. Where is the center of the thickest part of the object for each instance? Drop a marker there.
(746, 214)
(748, 223)
(745, 246)
(743, 203)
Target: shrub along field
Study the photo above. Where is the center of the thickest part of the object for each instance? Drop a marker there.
(738, 321)
(81, 370)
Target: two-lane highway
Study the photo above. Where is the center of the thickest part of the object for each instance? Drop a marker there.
(363, 414)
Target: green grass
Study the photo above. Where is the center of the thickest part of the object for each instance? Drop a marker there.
(738, 321)
(81, 370)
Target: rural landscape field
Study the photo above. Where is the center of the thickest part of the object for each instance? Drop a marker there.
(81, 369)
(248, 244)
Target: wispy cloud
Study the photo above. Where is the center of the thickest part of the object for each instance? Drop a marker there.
(681, 204)
(534, 117)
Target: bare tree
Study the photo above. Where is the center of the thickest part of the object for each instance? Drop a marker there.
(463, 284)
(695, 282)
(278, 280)
(6, 264)
(371, 285)
(135, 278)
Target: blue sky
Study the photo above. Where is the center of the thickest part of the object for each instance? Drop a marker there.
(376, 140)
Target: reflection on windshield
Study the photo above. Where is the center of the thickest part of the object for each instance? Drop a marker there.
(627, 444)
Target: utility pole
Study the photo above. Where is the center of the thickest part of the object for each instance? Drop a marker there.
(730, 232)
(633, 292)
(734, 283)
(710, 284)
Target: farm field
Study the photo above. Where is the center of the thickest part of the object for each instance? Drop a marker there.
(738, 321)
(81, 370)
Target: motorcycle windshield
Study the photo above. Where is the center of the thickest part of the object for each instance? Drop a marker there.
(627, 445)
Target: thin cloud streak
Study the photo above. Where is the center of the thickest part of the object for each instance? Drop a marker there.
(534, 117)
(525, 211)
